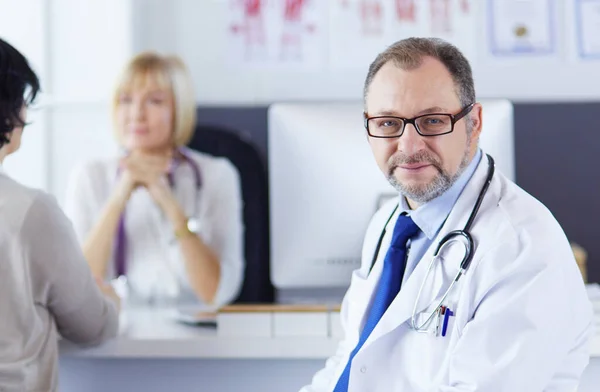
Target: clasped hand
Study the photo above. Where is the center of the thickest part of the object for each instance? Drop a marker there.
(148, 171)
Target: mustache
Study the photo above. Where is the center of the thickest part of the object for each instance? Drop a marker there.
(400, 158)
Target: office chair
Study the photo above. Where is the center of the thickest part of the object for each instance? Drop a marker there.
(228, 143)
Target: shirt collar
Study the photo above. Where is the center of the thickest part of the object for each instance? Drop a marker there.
(431, 215)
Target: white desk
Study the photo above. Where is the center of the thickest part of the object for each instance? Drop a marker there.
(155, 353)
(153, 334)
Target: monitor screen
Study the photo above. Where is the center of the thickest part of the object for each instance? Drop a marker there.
(325, 186)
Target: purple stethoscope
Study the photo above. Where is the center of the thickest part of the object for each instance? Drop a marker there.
(120, 240)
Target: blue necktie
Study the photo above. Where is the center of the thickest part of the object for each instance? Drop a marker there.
(387, 289)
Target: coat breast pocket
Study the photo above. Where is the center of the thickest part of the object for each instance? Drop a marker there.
(437, 320)
(426, 349)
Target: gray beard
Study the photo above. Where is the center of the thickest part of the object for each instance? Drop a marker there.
(441, 183)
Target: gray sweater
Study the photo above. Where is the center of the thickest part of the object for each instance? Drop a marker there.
(46, 290)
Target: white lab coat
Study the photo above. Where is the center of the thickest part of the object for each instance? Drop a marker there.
(523, 320)
(156, 269)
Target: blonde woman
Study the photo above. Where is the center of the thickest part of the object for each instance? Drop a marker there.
(166, 218)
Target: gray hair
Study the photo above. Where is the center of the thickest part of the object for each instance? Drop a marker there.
(408, 54)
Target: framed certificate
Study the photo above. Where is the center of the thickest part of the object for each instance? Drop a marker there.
(520, 27)
(587, 24)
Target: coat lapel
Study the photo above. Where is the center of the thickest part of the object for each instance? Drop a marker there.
(441, 273)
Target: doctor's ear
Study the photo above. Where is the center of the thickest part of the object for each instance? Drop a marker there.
(476, 119)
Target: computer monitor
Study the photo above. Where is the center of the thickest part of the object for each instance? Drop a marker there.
(325, 186)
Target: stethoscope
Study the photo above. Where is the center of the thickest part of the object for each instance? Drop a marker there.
(463, 236)
(121, 239)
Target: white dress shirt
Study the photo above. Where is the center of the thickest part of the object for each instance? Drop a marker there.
(155, 267)
(46, 290)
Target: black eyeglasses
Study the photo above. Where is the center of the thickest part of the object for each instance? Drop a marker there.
(433, 124)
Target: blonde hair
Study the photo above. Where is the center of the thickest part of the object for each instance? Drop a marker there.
(171, 74)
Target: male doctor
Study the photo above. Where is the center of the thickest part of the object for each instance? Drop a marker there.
(518, 318)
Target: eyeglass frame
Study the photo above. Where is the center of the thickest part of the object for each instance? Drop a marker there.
(454, 118)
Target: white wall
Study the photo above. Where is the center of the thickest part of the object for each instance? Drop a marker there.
(77, 48)
(24, 26)
(197, 30)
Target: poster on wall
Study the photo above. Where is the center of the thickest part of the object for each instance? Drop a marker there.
(277, 33)
(587, 14)
(360, 29)
(522, 27)
(453, 21)
(441, 17)
(406, 10)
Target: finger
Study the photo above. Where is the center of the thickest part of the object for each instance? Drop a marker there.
(141, 177)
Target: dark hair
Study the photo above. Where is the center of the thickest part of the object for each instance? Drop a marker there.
(409, 53)
(16, 79)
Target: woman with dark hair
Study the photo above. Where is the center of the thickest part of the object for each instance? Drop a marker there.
(46, 287)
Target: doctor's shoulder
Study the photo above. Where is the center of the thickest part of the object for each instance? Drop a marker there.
(219, 175)
(521, 233)
(528, 215)
(525, 243)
